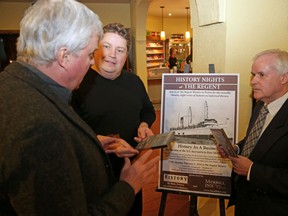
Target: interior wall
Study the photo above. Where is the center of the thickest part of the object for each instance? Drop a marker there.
(117, 12)
(139, 10)
(245, 38)
(247, 29)
(170, 25)
(12, 13)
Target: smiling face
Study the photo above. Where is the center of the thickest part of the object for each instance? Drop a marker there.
(111, 55)
(267, 84)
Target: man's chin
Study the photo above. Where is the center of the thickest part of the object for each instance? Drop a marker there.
(78, 85)
(257, 96)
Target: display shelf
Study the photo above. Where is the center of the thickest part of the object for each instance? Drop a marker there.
(155, 59)
(173, 36)
(155, 53)
(182, 46)
(153, 64)
(158, 59)
(154, 45)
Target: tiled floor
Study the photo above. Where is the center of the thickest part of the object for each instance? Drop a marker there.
(176, 205)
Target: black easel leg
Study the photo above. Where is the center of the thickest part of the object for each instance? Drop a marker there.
(162, 204)
(222, 206)
(193, 205)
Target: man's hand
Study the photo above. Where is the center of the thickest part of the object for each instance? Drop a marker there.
(222, 152)
(143, 132)
(117, 146)
(141, 171)
(241, 165)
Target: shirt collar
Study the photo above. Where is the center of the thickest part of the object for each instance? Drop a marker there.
(63, 93)
(275, 106)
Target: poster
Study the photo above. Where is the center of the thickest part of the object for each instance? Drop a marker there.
(191, 105)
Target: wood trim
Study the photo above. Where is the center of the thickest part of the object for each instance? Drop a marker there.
(9, 31)
(153, 38)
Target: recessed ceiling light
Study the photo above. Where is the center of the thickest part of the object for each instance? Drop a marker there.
(170, 14)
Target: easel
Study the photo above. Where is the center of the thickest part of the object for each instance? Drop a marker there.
(193, 195)
(193, 202)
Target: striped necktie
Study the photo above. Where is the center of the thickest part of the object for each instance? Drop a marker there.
(255, 132)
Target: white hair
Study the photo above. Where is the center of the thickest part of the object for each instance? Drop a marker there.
(281, 63)
(49, 25)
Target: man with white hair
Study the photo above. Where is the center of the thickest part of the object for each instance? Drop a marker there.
(260, 172)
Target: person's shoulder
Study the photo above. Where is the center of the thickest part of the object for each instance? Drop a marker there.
(91, 73)
(89, 76)
(130, 75)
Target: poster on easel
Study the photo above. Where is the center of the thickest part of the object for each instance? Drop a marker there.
(192, 104)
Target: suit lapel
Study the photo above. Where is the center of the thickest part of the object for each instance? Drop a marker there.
(277, 128)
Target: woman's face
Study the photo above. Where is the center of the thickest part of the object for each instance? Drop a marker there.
(111, 55)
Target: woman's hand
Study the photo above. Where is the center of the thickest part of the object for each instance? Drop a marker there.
(143, 132)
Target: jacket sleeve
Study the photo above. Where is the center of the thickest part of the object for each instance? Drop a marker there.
(43, 177)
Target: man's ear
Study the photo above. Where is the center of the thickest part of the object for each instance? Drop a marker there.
(63, 57)
(284, 78)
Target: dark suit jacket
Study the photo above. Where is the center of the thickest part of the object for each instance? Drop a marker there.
(50, 161)
(267, 191)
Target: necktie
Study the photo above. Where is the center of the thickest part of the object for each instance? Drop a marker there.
(255, 132)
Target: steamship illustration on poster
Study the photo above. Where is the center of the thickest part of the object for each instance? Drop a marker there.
(188, 127)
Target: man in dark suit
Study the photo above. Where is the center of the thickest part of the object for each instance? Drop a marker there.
(260, 176)
(51, 162)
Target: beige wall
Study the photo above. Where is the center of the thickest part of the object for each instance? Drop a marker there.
(248, 29)
(12, 13)
(139, 10)
(170, 25)
(112, 13)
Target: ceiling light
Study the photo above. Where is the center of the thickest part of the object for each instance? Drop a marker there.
(162, 34)
(187, 33)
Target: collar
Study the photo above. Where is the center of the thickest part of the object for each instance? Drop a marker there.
(63, 93)
(275, 106)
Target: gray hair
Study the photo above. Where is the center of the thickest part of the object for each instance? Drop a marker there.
(281, 63)
(49, 25)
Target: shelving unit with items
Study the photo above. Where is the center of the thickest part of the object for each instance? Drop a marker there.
(155, 57)
(183, 49)
(155, 52)
(182, 46)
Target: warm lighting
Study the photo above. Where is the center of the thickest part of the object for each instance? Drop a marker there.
(187, 33)
(162, 34)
